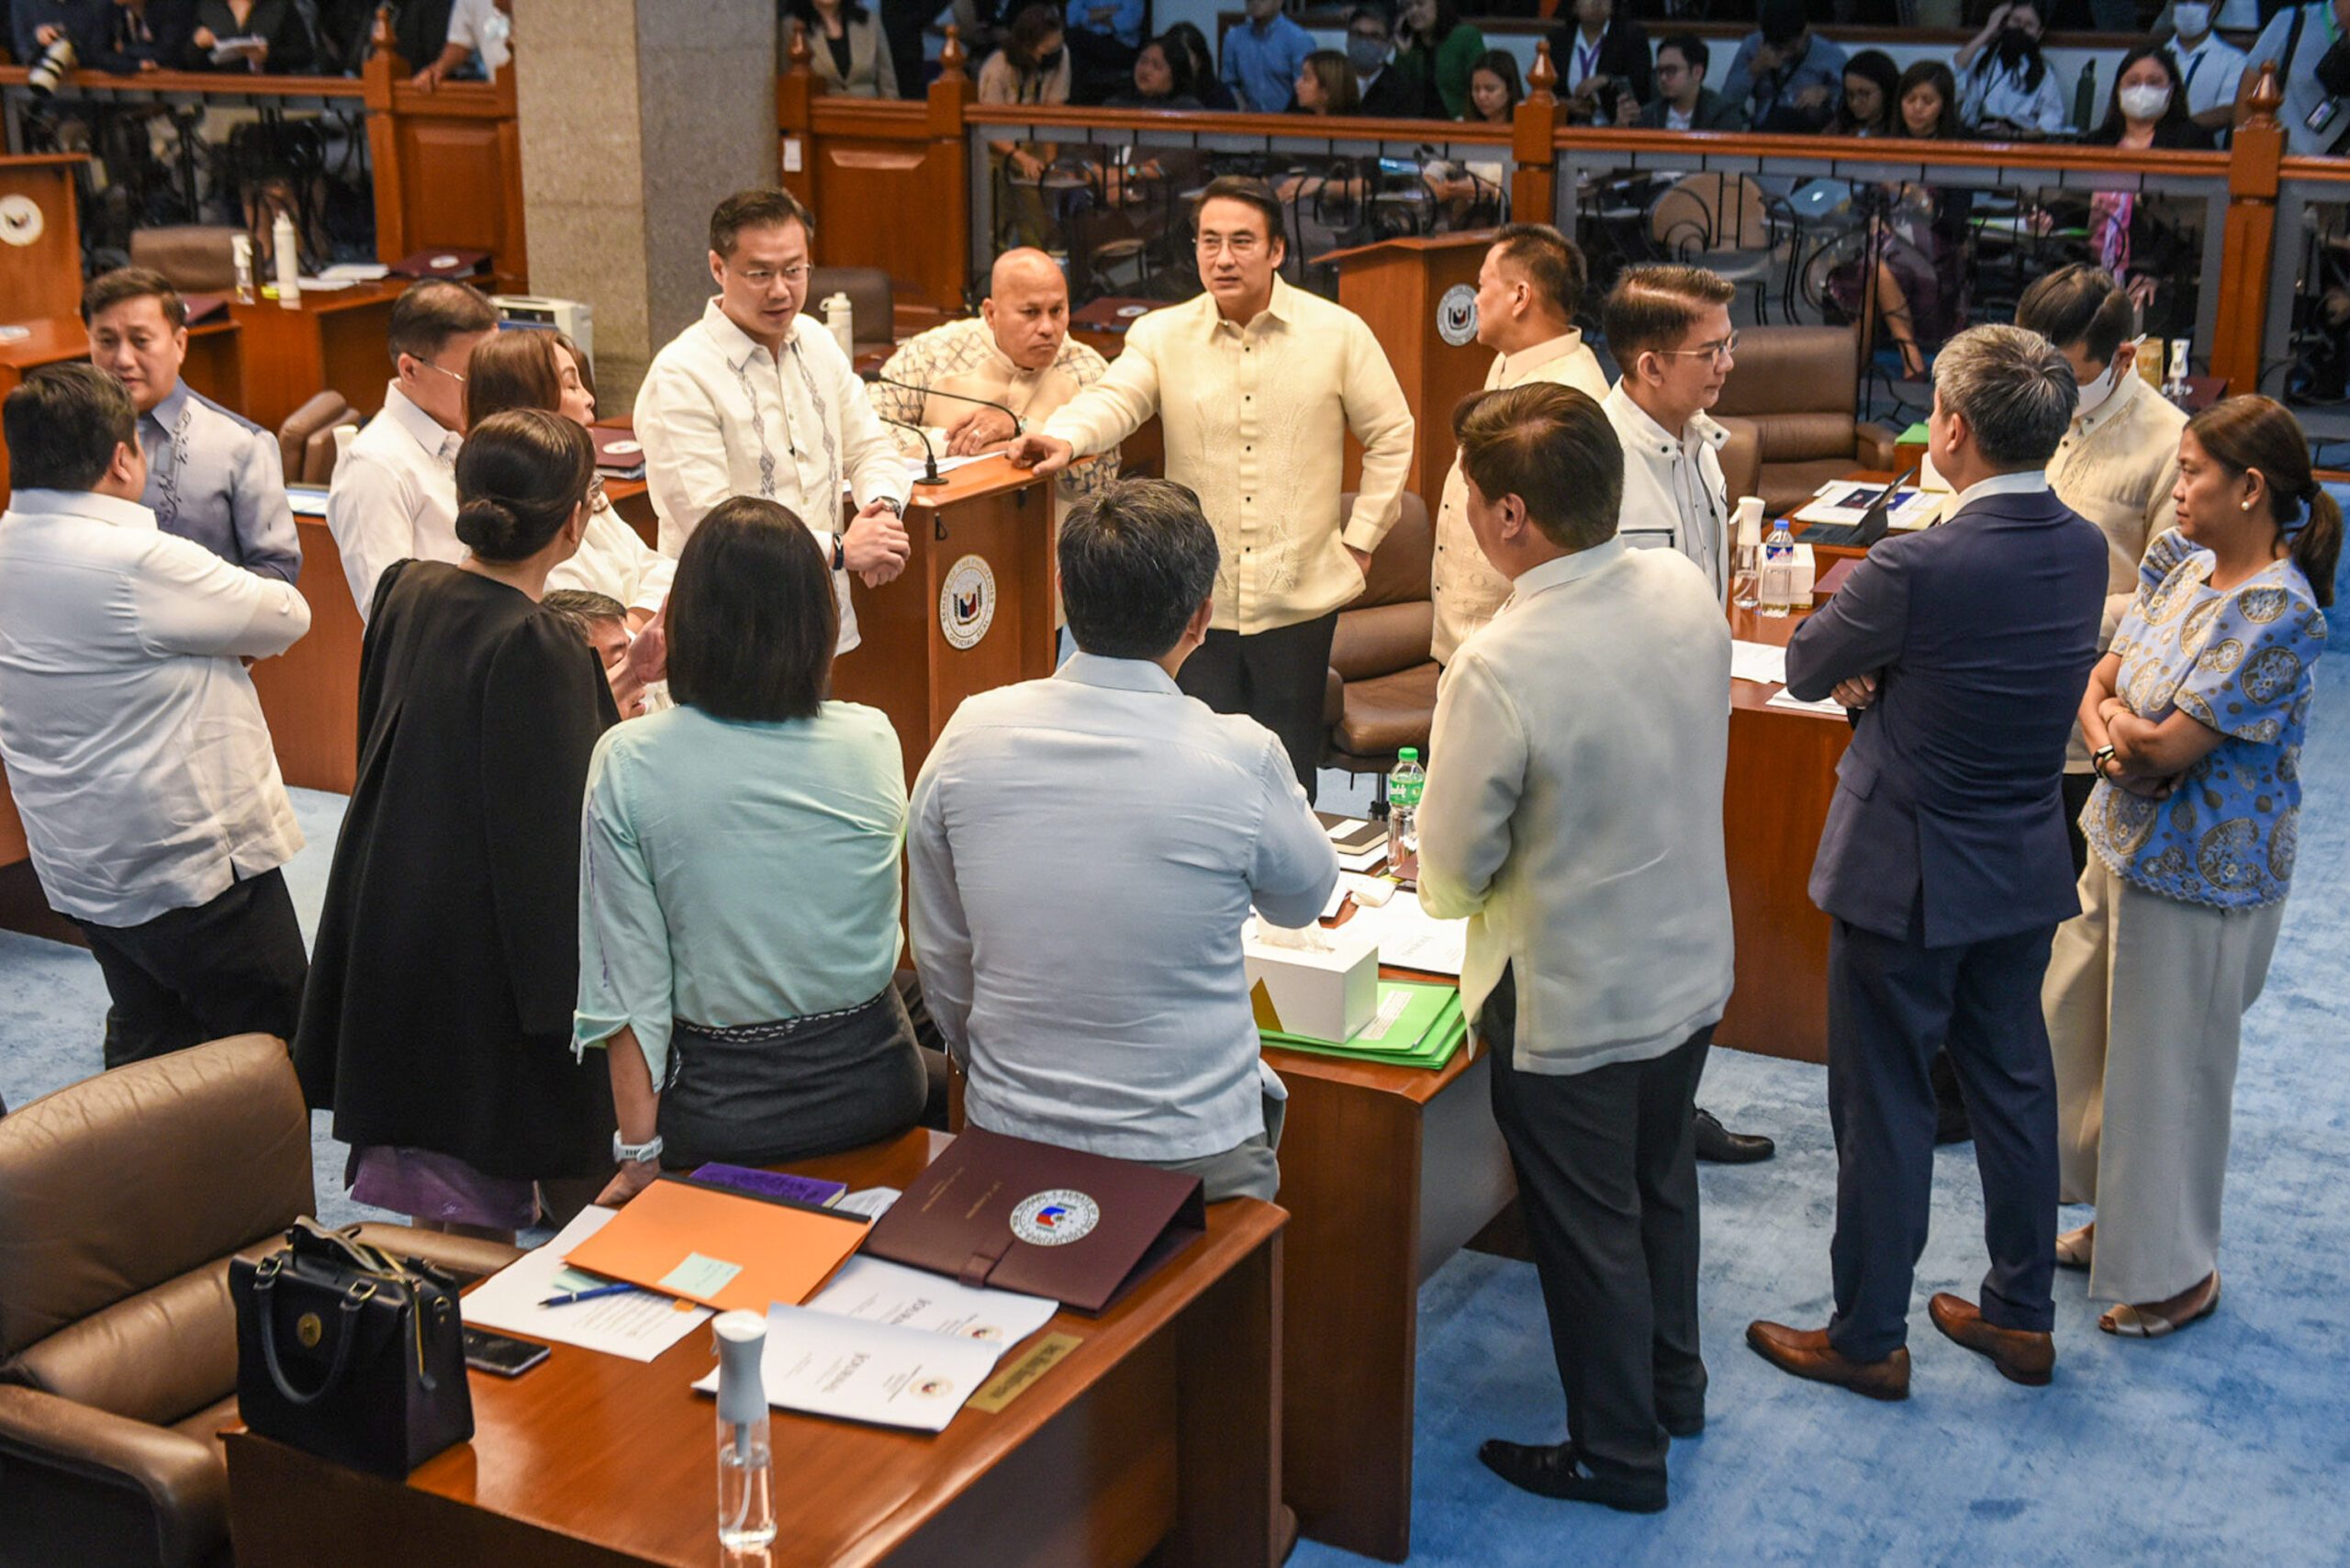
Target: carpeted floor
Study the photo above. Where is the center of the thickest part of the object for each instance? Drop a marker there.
(2227, 1442)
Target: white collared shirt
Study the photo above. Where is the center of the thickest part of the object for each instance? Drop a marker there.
(2117, 466)
(135, 745)
(719, 416)
(1573, 811)
(1674, 495)
(613, 559)
(1462, 583)
(395, 496)
(1084, 852)
(2212, 72)
(2024, 482)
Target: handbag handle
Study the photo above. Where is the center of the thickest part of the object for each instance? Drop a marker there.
(357, 1296)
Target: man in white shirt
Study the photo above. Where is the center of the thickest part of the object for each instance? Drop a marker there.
(479, 31)
(1578, 824)
(1669, 328)
(395, 492)
(1257, 386)
(2211, 68)
(135, 745)
(1084, 853)
(755, 401)
(1529, 289)
(213, 476)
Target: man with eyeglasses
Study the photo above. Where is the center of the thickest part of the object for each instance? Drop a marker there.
(1669, 328)
(1257, 386)
(753, 399)
(395, 492)
(1682, 101)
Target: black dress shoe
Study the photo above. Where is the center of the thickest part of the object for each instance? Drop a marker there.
(1717, 1144)
(1552, 1470)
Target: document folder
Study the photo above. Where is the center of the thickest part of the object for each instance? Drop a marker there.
(732, 1250)
(1014, 1215)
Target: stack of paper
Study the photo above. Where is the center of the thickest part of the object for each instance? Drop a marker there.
(1411, 938)
(638, 1324)
(1418, 1024)
(1763, 662)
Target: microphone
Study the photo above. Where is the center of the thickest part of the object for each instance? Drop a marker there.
(930, 474)
(958, 396)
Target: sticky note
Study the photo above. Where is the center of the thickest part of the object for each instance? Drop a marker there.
(700, 1276)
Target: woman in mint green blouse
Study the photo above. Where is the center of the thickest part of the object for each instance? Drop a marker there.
(739, 882)
(2196, 717)
(1445, 47)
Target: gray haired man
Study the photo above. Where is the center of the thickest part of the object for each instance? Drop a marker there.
(1944, 869)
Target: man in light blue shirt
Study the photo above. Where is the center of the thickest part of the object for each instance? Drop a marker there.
(1083, 855)
(2316, 113)
(212, 478)
(1786, 76)
(1261, 58)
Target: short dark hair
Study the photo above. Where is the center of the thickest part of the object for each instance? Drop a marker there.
(1781, 21)
(1137, 560)
(752, 620)
(431, 311)
(1379, 12)
(521, 476)
(1694, 52)
(63, 423)
(1248, 190)
(583, 607)
(2079, 304)
(1651, 308)
(513, 370)
(1550, 261)
(110, 289)
(768, 208)
(1555, 448)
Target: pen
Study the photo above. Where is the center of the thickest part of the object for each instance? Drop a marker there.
(570, 1296)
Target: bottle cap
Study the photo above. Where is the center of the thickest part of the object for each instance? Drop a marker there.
(742, 1342)
(1750, 520)
(1409, 753)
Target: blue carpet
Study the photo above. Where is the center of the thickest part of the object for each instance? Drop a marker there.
(2228, 1441)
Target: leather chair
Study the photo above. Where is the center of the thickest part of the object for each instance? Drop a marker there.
(122, 1200)
(194, 258)
(1797, 388)
(871, 302)
(306, 442)
(1381, 691)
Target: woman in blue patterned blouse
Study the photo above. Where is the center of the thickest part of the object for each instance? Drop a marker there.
(2196, 717)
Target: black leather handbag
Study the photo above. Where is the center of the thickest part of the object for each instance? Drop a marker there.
(350, 1354)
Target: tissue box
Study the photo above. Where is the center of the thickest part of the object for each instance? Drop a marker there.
(1807, 574)
(1321, 995)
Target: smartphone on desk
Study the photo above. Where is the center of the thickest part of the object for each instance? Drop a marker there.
(502, 1355)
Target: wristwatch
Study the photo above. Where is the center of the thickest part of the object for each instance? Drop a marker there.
(2098, 758)
(897, 507)
(635, 1153)
(840, 551)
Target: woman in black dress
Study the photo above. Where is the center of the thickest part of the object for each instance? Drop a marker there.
(437, 1024)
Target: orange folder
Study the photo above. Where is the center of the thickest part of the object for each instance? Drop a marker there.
(720, 1246)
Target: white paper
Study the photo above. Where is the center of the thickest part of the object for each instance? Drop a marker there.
(1345, 828)
(637, 1324)
(879, 1373)
(874, 1291)
(1336, 902)
(1410, 938)
(357, 272)
(326, 285)
(1826, 706)
(1363, 860)
(1765, 662)
(870, 1202)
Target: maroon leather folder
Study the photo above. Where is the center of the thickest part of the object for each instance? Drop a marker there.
(1002, 1211)
(442, 264)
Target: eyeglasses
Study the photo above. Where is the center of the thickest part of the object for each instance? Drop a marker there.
(456, 376)
(759, 277)
(1242, 246)
(1714, 351)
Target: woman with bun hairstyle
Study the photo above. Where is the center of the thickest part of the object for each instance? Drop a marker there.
(437, 1023)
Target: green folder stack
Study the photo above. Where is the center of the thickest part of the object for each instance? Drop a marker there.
(1418, 1024)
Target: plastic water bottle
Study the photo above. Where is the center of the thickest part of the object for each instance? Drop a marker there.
(240, 255)
(1778, 588)
(1746, 564)
(840, 315)
(1403, 786)
(288, 260)
(2174, 385)
(745, 1462)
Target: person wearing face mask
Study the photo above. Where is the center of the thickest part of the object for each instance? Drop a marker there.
(2211, 67)
(1031, 68)
(212, 476)
(1385, 87)
(2146, 241)
(2006, 88)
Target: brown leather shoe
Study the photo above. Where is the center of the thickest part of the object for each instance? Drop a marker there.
(1807, 1353)
(2021, 1355)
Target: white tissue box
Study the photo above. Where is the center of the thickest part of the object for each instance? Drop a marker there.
(1807, 574)
(1320, 995)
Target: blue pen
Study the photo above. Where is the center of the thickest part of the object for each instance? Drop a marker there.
(566, 1299)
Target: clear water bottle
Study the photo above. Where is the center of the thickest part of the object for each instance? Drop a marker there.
(1403, 786)
(745, 1461)
(1746, 561)
(1777, 597)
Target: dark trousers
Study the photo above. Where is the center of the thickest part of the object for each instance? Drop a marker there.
(1277, 677)
(2078, 787)
(902, 22)
(1608, 1177)
(231, 966)
(1891, 1005)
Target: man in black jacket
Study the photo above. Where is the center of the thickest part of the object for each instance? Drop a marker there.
(1682, 100)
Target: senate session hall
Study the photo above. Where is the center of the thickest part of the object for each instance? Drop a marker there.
(1104, 782)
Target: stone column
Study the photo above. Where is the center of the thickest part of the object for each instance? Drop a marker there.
(637, 117)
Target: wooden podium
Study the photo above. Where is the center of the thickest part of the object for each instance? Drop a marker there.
(972, 611)
(1399, 288)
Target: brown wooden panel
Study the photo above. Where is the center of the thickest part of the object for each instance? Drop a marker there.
(1396, 287)
(310, 693)
(44, 278)
(877, 204)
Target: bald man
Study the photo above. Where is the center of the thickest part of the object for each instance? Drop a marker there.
(1016, 352)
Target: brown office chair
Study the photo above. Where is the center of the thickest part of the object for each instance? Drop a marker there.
(122, 1199)
(1381, 690)
(305, 441)
(194, 258)
(871, 299)
(1797, 388)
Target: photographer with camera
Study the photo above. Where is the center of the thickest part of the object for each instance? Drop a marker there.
(2311, 47)
(52, 37)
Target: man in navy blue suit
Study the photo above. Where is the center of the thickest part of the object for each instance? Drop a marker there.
(1944, 867)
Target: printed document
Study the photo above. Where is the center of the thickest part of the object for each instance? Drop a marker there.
(824, 1365)
(638, 1324)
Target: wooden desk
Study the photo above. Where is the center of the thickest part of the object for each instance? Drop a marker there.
(214, 364)
(334, 340)
(310, 693)
(1157, 1440)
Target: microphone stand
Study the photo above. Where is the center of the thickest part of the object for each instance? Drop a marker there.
(958, 396)
(930, 474)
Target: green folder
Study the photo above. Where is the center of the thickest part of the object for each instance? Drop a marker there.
(1418, 1024)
